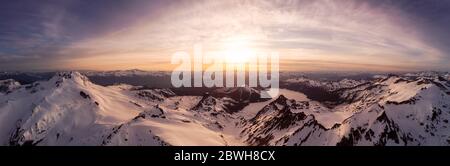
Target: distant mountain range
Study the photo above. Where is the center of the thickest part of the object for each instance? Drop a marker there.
(73, 108)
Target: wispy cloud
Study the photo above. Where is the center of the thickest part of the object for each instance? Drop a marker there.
(352, 33)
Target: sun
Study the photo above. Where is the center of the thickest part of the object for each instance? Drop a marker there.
(238, 50)
(238, 55)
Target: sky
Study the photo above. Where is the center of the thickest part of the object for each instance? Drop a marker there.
(309, 35)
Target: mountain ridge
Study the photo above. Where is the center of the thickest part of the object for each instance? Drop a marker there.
(68, 109)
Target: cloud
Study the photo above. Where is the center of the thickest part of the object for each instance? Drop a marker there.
(361, 32)
(9, 58)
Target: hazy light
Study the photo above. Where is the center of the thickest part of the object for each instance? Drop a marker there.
(309, 35)
(238, 50)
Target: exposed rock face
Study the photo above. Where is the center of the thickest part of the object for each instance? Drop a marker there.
(7, 86)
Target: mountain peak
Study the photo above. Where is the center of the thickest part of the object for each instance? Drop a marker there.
(69, 74)
(8, 85)
(73, 76)
(281, 99)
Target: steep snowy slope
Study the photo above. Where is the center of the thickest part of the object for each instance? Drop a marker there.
(412, 111)
(65, 110)
(70, 110)
(276, 122)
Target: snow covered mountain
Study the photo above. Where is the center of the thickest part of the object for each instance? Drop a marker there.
(122, 73)
(395, 110)
(68, 109)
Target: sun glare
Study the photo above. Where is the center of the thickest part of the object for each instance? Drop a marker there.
(238, 50)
